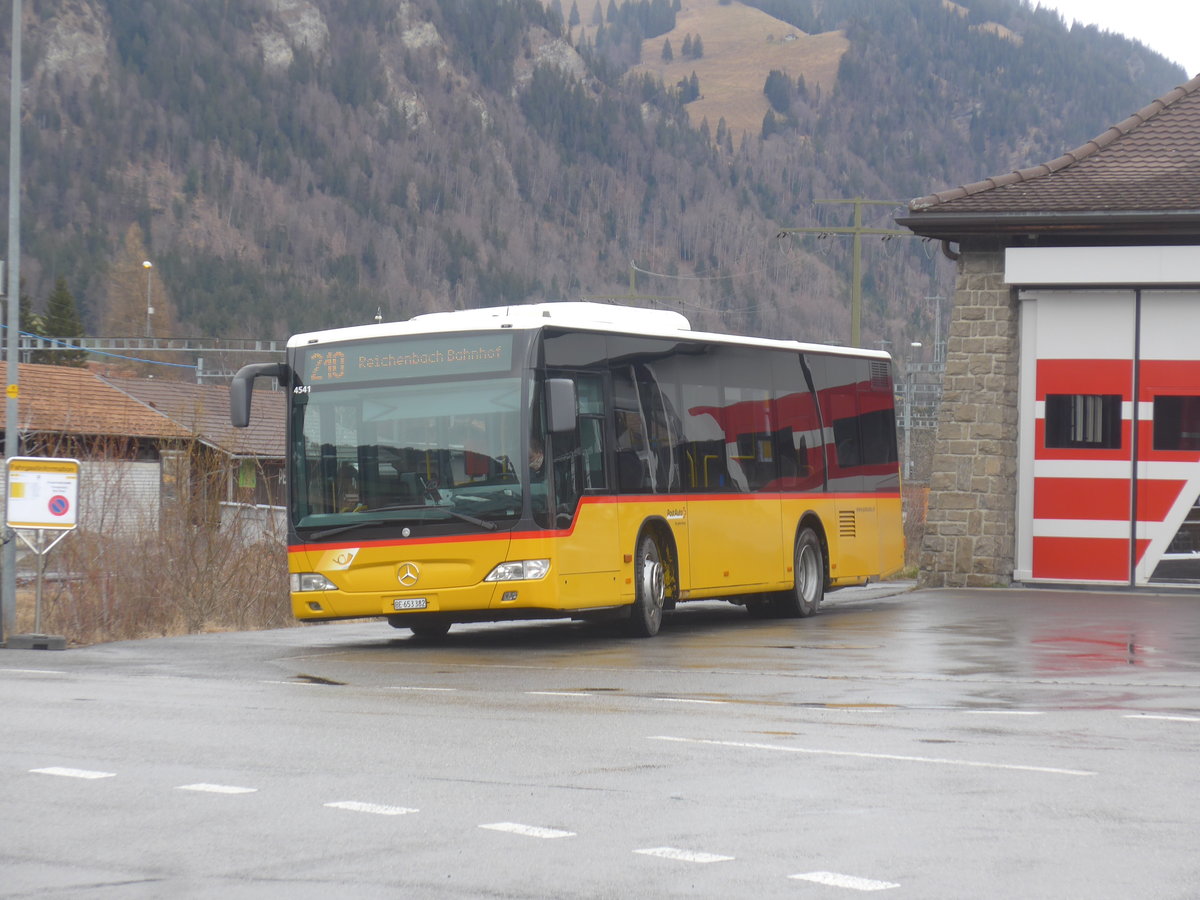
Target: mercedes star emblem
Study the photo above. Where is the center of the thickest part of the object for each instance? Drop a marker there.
(408, 573)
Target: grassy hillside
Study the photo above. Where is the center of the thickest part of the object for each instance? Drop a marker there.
(741, 46)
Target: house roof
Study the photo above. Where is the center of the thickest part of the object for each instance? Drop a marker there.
(1139, 177)
(203, 410)
(66, 400)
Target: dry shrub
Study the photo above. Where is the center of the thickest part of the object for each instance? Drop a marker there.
(915, 498)
(193, 565)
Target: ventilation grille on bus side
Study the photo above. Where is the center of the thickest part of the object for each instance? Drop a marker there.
(847, 524)
(879, 375)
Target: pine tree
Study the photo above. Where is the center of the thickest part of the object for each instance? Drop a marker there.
(769, 125)
(29, 321)
(778, 88)
(667, 55)
(686, 49)
(63, 322)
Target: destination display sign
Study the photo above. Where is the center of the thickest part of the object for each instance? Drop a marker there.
(422, 356)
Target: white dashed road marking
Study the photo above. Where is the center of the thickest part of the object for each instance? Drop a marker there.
(683, 855)
(216, 788)
(853, 882)
(888, 756)
(376, 808)
(72, 773)
(1164, 718)
(559, 694)
(528, 830)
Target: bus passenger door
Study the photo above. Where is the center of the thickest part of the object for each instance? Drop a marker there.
(730, 470)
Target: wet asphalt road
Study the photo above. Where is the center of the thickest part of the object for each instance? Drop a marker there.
(917, 743)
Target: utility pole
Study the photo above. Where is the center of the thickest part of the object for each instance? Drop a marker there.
(857, 230)
(8, 578)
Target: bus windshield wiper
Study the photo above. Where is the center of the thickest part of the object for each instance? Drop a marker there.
(340, 529)
(330, 532)
(482, 523)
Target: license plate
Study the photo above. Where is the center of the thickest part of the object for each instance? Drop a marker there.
(410, 603)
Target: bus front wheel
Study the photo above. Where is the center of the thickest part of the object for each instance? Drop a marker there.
(809, 570)
(649, 579)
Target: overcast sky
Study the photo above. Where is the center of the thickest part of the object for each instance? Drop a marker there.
(1169, 27)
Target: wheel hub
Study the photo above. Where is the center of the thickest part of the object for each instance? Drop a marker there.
(652, 581)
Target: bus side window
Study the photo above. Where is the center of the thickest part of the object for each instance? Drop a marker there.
(578, 456)
(634, 475)
(566, 469)
(662, 430)
(590, 391)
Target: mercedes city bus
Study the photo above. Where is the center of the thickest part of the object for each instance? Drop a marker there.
(578, 460)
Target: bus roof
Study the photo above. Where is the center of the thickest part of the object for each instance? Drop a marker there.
(582, 315)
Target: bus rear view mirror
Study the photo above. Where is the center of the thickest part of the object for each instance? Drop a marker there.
(561, 410)
(242, 387)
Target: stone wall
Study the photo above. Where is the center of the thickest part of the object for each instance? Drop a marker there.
(970, 528)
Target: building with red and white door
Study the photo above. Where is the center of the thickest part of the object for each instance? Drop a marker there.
(1068, 448)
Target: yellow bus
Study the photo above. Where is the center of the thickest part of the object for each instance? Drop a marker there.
(578, 460)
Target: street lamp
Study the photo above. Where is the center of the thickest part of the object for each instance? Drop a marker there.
(147, 265)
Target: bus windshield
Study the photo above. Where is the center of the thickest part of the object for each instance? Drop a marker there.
(426, 453)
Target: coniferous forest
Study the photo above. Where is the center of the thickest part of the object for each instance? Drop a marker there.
(294, 164)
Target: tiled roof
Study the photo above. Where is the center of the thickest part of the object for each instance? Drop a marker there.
(65, 400)
(203, 410)
(1147, 166)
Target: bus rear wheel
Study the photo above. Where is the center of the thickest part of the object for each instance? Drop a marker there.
(808, 567)
(650, 590)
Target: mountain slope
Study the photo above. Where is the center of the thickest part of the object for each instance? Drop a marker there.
(291, 164)
(741, 46)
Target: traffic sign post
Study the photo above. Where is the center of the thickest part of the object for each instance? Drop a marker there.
(43, 500)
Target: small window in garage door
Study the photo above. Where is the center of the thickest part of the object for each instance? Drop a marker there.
(1083, 421)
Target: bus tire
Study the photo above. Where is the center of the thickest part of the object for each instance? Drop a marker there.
(650, 592)
(808, 568)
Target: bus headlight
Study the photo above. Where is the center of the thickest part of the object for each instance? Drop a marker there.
(520, 570)
(311, 581)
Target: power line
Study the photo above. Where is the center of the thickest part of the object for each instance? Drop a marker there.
(857, 230)
(56, 344)
(637, 268)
